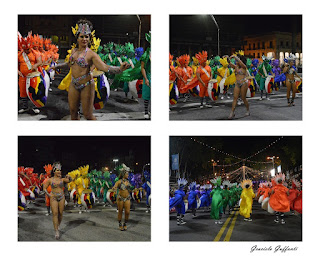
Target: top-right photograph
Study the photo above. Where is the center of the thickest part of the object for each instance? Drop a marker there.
(235, 67)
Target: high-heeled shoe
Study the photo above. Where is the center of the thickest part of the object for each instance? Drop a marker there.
(231, 116)
(57, 235)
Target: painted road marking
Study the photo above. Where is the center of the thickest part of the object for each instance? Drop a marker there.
(217, 238)
(229, 233)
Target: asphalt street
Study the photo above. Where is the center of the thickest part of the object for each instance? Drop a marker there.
(97, 224)
(116, 108)
(234, 228)
(274, 109)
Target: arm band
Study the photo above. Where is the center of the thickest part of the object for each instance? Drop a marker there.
(114, 70)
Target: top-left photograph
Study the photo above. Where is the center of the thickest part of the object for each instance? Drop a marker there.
(84, 67)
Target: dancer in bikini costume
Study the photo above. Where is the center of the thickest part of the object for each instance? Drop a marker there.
(56, 196)
(28, 62)
(290, 72)
(81, 63)
(124, 188)
(241, 86)
(202, 78)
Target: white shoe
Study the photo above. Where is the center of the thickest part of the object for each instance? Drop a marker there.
(35, 111)
(23, 110)
(268, 98)
(260, 99)
(239, 103)
(208, 106)
(247, 113)
(221, 97)
(228, 96)
(146, 116)
(201, 106)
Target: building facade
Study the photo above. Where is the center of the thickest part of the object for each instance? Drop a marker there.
(275, 44)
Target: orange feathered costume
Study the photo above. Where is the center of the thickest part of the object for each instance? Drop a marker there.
(279, 201)
(205, 75)
(184, 72)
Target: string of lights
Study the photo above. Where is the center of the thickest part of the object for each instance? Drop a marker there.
(241, 159)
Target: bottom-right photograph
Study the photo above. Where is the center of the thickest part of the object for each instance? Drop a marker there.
(235, 188)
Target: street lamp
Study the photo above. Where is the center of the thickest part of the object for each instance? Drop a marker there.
(115, 162)
(139, 29)
(216, 23)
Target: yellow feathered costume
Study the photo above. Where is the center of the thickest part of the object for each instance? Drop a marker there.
(247, 196)
(81, 182)
(195, 65)
(224, 72)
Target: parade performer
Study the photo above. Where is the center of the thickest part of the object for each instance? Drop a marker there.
(147, 187)
(263, 71)
(225, 195)
(48, 169)
(241, 86)
(216, 205)
(290, 71)
(81, 63)
(279, 201)
(205, 196)
(192, 198)
(123, 188)
(277, 73)
(173, 90)
(146, 73)
(178, 201)
(184, 74)
(224, 77)
(57, 199)
(293, 193)
(247, 196)
(297, 205)
(28, 62)
(202, 78)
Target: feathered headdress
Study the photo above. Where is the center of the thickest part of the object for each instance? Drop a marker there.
(244, 183)
(291, 57)
(226, 183)
(202, 57)
(224, 62)
(255, 62)
(183, 60)
(20, 170)
(182, 182)
(48, 168)
(57, 166)
(275, 63)
(216, 181)
(138, 52)
(265, 58)
(280, 176)
(192, 185)
(24, 43)
(82, 28)
(170, 58)
(84, 170)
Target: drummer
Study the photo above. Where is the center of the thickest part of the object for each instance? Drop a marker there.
(241, 85)
(81, 60)
(28, 62)
(57, 199)
(264, 70)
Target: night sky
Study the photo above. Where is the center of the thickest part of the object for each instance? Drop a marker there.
(201, 26)
(75, 151)
(197, 156)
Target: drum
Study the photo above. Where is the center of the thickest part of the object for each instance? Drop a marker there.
(269, 83)
(135, 88)
(213, 89)
(195, 91)
(137, 195)
(37, 89)
(299, 85)
(51, 71)
(35, 190)
(87, 198)
(149, 200)
(102, 89)
(31, 196)
(22, 202)
(221, 84)
(173, 93)
(73, 195)
(111, 197)
(251, 88)
(198, 203)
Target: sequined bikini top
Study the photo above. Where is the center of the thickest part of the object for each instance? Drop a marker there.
(56, 185)
(81, 61)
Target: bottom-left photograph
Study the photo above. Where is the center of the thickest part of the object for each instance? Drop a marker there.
(84, 188)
